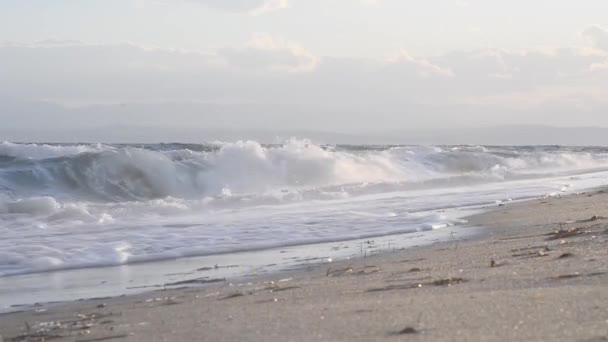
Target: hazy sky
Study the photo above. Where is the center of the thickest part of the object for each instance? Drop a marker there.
(338, 65)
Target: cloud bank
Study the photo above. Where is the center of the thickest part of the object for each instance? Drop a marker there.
(598, 35)
(273, 82)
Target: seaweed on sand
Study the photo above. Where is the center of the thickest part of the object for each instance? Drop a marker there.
(51, 330)
(282, 288)
(104, 338)
(565, 233)
(440, 282)
(565, 255)
(349, 270)
(406, 331)
(577, 275)
(198, 281)
(232, 295)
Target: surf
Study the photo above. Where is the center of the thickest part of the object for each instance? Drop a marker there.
(88, 205)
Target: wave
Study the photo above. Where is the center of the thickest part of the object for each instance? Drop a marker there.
(68, 206)
(128, 173)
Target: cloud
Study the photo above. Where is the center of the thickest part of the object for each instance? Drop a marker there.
(598, 35)
(403, 63)
(69, 72)
(269, 6)
(282, 82)
(265, 53)
(253, 7)
(600, 67)
(75, 70)
(369, 2)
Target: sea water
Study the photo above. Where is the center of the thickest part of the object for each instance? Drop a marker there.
(90, 205)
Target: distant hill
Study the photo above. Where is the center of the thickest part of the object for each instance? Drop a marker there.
(508, 135)
(499, 135)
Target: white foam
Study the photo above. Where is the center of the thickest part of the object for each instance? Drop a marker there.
(30, 206)
(93, 205)
(44, 151)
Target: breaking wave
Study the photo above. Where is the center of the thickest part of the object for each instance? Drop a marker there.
(129, 173)
(70, 206)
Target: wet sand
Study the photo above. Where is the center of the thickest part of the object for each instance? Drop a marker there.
(538, 271)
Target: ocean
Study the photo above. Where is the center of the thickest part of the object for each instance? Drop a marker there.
(68, 206)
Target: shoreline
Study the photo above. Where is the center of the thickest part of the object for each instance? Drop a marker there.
(141, 277)
(513, 271)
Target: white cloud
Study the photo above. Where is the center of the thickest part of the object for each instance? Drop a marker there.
(283, 79)
(68, 70)
(269, 6)
(266, 53)
(418, 66)
(599, 66)
(598, 35)
(253, 7)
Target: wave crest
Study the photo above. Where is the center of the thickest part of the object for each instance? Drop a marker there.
(128, 173)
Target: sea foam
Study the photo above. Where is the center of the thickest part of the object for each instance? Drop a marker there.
(65, 206)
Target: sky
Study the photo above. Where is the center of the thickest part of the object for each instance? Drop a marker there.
(348, 66)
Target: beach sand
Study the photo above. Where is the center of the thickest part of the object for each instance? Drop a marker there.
(517, 280)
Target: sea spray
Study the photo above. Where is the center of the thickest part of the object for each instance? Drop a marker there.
(65, 206)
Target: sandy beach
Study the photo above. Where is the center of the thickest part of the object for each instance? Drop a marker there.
(538, 271)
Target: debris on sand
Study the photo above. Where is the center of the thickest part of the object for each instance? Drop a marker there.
(567, 276)
(441, 282)
(412, 260)
(232, 295)
(350, 271)
(565, 233)
(591, 219)
(408, 331)
(494, 263)
(215, 267)
(448, 282)
(105, 338)
(35, 337)
(531, 248)
(284, 288)
(394, 287)
(534, 254)
(51, 330)
(274, 287)
(565, 255)
(197, 281)
(339, 272)
(170, 301)
(576, 275)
